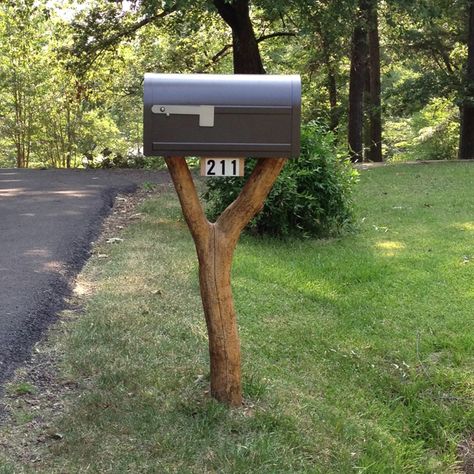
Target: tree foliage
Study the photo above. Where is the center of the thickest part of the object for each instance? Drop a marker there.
(23, 86)
(71, 73)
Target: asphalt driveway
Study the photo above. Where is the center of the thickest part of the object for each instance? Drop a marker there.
(48, 219)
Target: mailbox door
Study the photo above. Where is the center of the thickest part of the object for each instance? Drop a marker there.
(237, 131)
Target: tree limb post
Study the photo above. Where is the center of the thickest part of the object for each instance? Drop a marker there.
(215, 244)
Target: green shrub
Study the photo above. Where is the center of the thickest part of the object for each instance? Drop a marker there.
(310, 198)
(437, 127)
(432, 133)
(132, 161)
(398, 139)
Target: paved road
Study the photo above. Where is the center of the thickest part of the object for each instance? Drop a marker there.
(48, 219)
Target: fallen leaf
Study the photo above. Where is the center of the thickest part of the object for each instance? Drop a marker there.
(114, 240)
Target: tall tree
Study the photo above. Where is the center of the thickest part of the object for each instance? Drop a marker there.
(246, 54)
(466, 142)
(357, 82)
(365, 86)
(374, 151)
(331, 75)
(326, 24)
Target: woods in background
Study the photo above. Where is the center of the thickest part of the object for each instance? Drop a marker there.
(392, 79)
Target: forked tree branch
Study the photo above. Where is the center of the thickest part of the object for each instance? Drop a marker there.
(238, 214)
(215, 244)
(276, 34)
(95, 50)
(252, 197)
(131, 30)
(189, 199)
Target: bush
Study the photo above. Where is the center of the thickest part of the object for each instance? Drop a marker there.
(310, 198)
(437, 127)
(136, 161)
(432, 133)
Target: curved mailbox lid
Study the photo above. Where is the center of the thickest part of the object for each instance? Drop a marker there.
(221, 89)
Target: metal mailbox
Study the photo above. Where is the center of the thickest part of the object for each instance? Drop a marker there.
(222, 115)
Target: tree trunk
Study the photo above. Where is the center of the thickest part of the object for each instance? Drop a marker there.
(357, 83)
(466, 140)
(215, 263)
(68, 146)
(375, 104)
(246, 55)
(332, 90)
(331, 77)
(18, 128)
(366, 111)
(215, 244)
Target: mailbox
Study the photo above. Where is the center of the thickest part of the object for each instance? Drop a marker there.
(214, 115)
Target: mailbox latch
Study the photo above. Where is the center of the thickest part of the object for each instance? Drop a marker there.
(205, 112)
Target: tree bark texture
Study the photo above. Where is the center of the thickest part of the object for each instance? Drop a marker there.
(332, 90)
(215, 244)
(466, 141)
(357, 83)
(246, 55)
(375, 104)
(366, 110)
(331, 84)
(331, 75)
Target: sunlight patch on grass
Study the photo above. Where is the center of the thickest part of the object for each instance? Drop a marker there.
(466, 226)
(390, 248)
(82, 289)
(319, 288)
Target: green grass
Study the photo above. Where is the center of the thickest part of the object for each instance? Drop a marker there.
(357, 353)
(22, 388)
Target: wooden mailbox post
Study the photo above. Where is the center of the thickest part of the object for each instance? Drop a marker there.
(273, 99)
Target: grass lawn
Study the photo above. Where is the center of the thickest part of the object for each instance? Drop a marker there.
(358, 353)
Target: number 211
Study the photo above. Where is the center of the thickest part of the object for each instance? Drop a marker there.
(211, 167)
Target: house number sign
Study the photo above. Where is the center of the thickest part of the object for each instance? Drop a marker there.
(221, 167)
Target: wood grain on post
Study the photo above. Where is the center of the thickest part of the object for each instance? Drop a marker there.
(215, 244)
